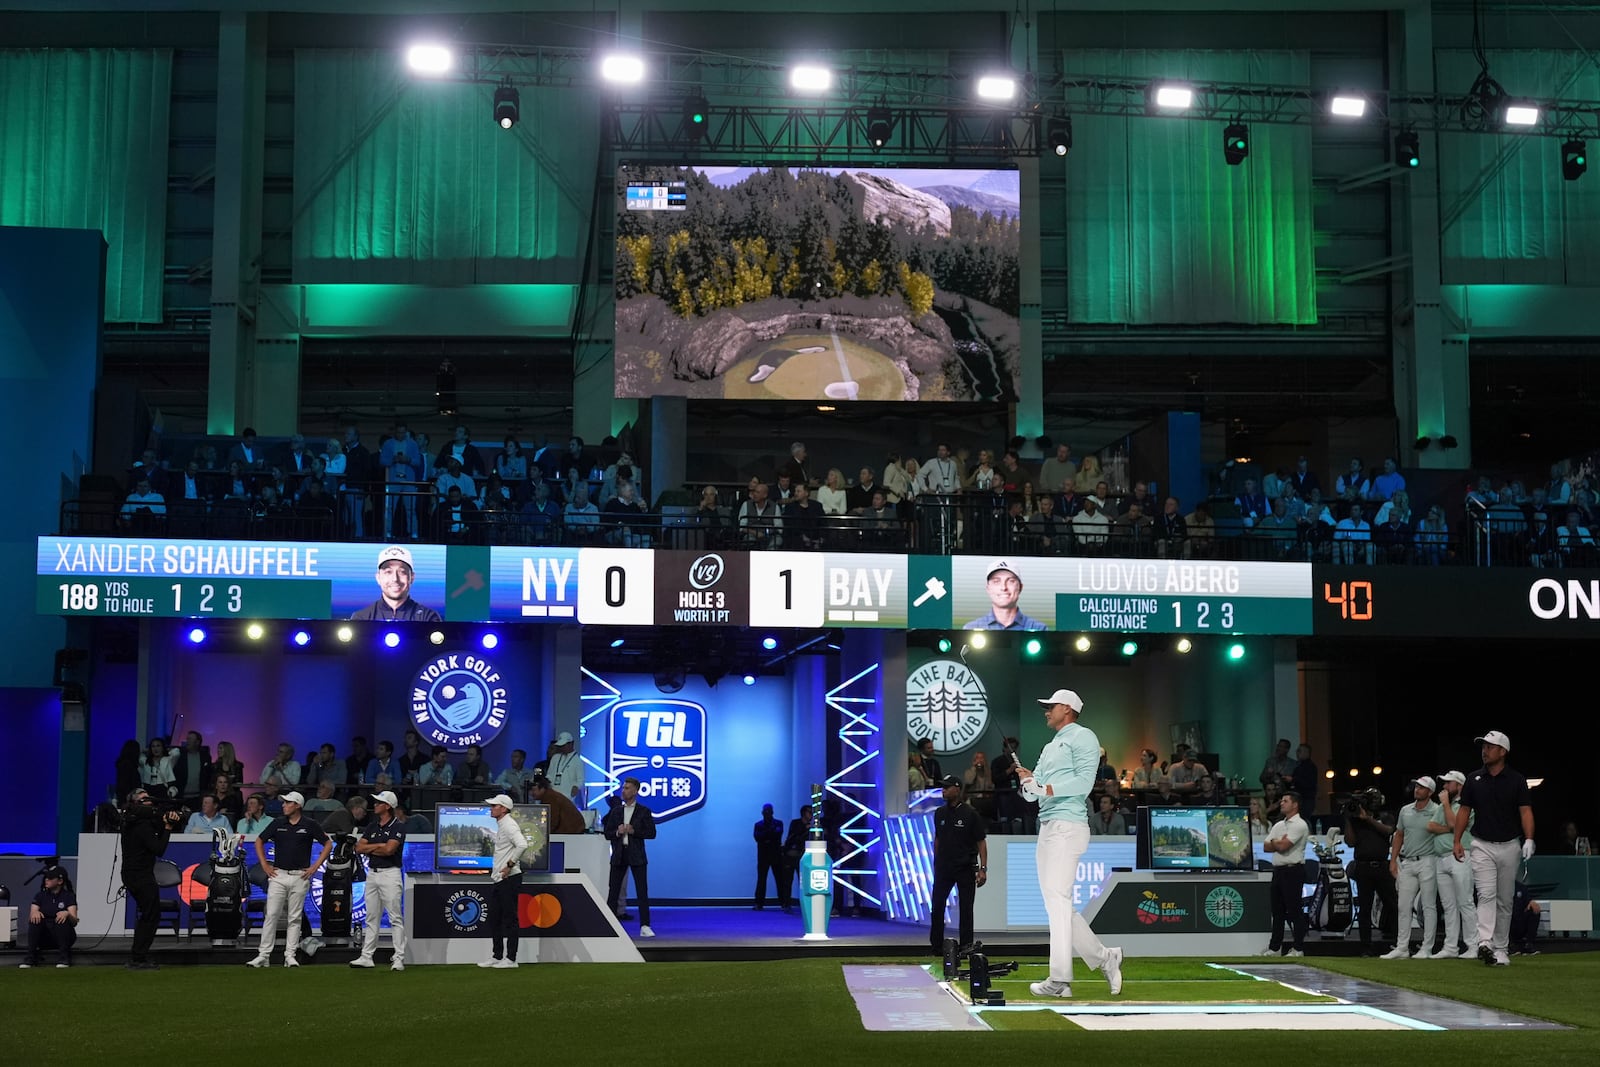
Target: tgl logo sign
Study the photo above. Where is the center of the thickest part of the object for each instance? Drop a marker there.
(663, 744)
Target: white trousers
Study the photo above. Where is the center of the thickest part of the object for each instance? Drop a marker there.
(286, 900)
(1454, 879)
(385, 893)
(1494, 871)
(1062, 844)
(1418, 879)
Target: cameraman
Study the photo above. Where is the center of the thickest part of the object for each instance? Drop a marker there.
(145, 833)
(1369, 834)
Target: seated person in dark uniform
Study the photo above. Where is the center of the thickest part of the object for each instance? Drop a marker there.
(396, 573)
(52, 920)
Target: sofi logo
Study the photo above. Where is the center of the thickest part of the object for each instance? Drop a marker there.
(663, 744)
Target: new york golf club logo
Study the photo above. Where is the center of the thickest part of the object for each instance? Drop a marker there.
(663, 744)
(458, 699)
(465, 910)
(946, 700)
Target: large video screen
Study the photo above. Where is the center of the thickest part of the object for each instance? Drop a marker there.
(831, 284)
(1195, 839)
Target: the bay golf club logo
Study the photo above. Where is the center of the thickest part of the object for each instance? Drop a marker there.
(466, 910)
(663, 744)
(458, 699)
(946, 700)
(1224, 907)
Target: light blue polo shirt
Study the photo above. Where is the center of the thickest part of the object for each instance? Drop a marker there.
(1068, 765)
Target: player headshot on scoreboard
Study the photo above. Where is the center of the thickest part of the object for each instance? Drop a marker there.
(396, 573)
(1005, 591)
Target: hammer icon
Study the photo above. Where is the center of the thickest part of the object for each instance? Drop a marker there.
(935, 591)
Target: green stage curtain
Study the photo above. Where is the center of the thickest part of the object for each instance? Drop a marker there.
(1161, 230)
(83, 145)
(1506, 216)
(400, 179)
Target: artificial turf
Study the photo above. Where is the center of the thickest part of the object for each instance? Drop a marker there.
(792, 1011)
(1156, 981)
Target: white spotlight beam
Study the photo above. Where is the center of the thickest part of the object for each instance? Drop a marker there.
(997, 87)
(810, 78)
(622, 68)
(429, 58)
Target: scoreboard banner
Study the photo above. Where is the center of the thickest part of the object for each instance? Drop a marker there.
(602, 586)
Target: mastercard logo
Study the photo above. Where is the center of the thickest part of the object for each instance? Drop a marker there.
(540, 911)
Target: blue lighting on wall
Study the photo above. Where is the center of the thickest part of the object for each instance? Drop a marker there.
(749, 679)
(908, 864)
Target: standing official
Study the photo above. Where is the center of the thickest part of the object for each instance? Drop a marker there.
(382, 844)
(288, 877)
(768, 834)
(1498, 796)
(509, 843)
(960, 860)
(1454, 875)
(1286, 840)
(1415, 869)
(145, 833)
(1061, 784)
(794, 848)
(628, 826)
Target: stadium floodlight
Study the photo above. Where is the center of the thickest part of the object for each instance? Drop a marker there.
(507, 106)
(1408, 149)
(1058, 134)
(622, 68)
(1574, 159)
(810, 78)
(1235, 143)
(429, 59)
(997, 87)
(696, 109)
(880, 124)
(1346, 106)
(1522, 113)
(1174, 97)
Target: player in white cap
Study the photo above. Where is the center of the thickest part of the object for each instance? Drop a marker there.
(383, 844)
(504, 920)
(1411, 861)
(1005, 590)
(1498, 797)
(1454, 876)
(1061, 782)
(396, 573)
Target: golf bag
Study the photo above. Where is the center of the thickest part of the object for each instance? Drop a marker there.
(1332, 904)
(338, 887)
(226, 889)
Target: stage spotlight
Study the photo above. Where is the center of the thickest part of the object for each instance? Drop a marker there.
(344, 634)
(302, 638)
(808, 78)
(1130, 648)
(997, 87)
(1354, 773)
(1033, 646)
(197, 636)
(696, 109)
(436, 637)
(1058, 134)
(979, 640)
(1408, 149)
(1184, 645)
(507, 106)
(622, 69)
(1422, 443)
(749, 679)
(1522, 114)
(391, 639)
(1235, 143)
(429, 58)
(1328, 773)
(618, 642)
(1345, 106)
(944, 644)
(491, 641)
(1236, 652)
(1174, 97)
(1377, 770)
(880, 124)
(255, 631)
(769, 643)
(1574, 159)
(1082, 644)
